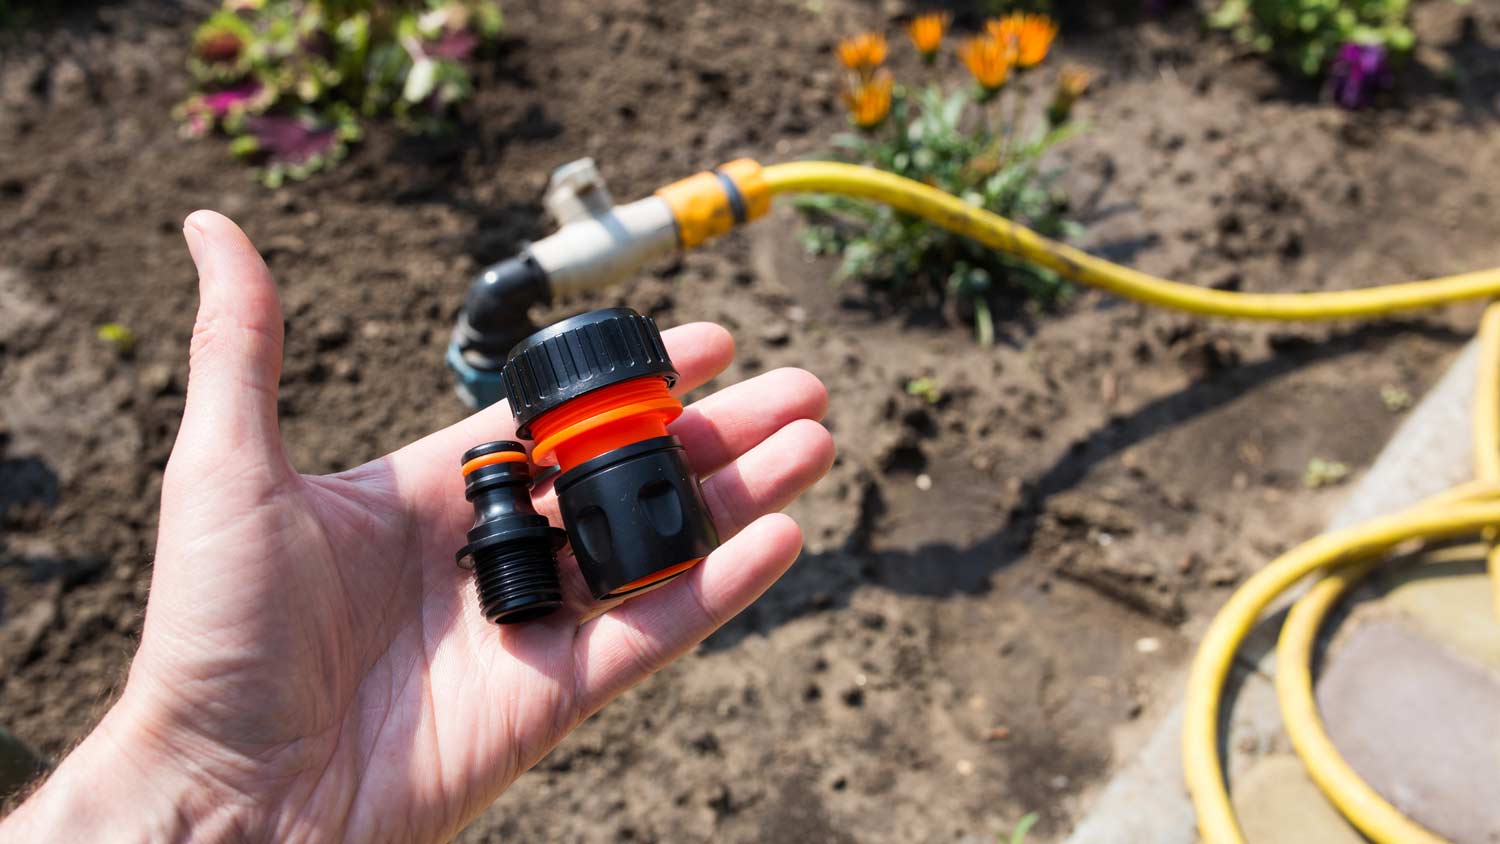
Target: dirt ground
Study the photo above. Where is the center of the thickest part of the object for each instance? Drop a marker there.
(999, 587)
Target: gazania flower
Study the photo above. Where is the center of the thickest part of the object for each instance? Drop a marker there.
(926, 32)
(1031, 35)
(870, 101)
(1072, 81)
(863, 53)
(989, 60)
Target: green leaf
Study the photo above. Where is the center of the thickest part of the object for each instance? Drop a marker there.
(244, 145)
(1229, 13)
(118, 336)
(420, 81)
(1023, 828)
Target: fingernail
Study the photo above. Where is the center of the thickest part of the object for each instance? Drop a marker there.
(195, 246)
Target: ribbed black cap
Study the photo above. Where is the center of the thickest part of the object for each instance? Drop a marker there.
(580, 355)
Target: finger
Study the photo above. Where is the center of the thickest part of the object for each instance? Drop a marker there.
(620, 648)
(235, 354)
(769, 476)
(699, 351)
(721, 427)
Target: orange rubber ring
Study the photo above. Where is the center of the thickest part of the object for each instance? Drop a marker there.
(669, 407)
(602, 421)
(656, 577)
(484, 460)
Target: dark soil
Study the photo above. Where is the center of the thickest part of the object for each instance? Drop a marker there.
(999, 585)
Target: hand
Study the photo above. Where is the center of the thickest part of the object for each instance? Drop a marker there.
(314, 667)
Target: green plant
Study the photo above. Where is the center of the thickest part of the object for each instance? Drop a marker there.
(1023, 828)
(290, 80)
(118, 336)
(1396, 398)
(1324, 473)
(925, 388)
(955, 141)
(1308, 34)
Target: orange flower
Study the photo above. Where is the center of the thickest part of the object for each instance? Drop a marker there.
(863, 53)
(870, 101)
(1031, 35)
(989, 60)
(1072, 81)
(926, 32)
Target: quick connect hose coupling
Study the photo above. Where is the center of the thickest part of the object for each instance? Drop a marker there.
(593, 393)
(512, 549)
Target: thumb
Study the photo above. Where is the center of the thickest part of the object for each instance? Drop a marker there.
(234, 363)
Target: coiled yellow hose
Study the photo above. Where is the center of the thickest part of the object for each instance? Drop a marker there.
(1343, 556)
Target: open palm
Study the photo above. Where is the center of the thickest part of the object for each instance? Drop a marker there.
(312, 654)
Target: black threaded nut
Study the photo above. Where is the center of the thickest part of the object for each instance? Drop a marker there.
(518, 581)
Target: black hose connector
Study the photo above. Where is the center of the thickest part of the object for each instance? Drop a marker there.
(495, 315)
(512, 549)
(593, 393)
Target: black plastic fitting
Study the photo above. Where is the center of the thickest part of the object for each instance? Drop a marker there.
(633, 514)
(495, 315)
(512, 549)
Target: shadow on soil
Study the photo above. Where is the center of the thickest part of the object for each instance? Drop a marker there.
(828, 580)
(1476, 74)
(27, 486)
(24, 481)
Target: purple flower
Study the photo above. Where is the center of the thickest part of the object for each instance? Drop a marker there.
(225, 100)
(1359, 72)
(203, 112)
(289, 140)
(455, 45)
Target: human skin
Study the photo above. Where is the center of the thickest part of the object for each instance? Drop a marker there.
(314, 667)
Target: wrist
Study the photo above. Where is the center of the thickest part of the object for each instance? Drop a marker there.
(123, 783)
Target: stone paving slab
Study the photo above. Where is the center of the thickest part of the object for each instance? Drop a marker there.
(1150, 793)
(1420, 724)
(1452, 603)
(1278, 803)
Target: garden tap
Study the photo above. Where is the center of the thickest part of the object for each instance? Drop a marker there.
(597, 244)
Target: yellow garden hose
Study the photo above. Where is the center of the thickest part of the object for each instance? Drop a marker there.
(1001, 234)
(1487, 424)
(1344, 556)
